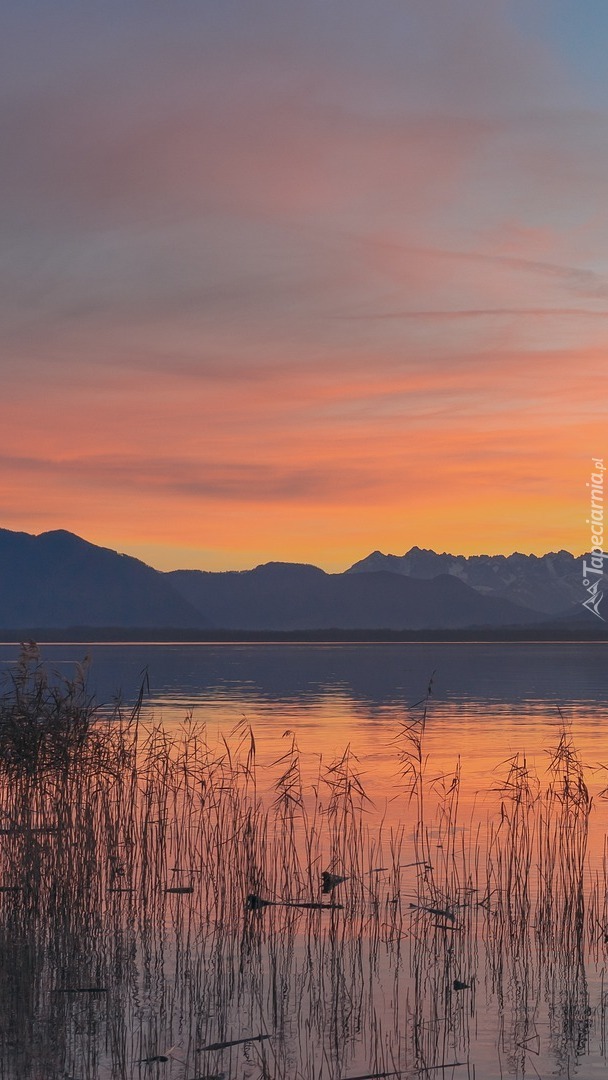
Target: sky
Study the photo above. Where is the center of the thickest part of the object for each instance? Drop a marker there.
(301, 280)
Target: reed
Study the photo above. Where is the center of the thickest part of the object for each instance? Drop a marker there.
(164, 910)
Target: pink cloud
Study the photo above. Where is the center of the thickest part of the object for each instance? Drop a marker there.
(261, 275)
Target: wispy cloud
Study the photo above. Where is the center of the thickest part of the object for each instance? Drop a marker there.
(279, 280)
(482, 313)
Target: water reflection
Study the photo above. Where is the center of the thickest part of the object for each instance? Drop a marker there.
(371, 676)
(467, 933)
(489, 700)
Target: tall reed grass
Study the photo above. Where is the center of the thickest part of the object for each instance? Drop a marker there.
(164, 911)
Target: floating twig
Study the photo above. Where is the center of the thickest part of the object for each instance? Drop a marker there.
(445, 913)
(256, 903)
(233, 1042)
(444, 1065)
(373, 1076)
(313, 904)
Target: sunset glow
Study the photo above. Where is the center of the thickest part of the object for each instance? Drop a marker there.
(300, 281)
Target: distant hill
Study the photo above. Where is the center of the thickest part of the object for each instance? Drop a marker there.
(548, 583)
(56, 579)
(290, 596)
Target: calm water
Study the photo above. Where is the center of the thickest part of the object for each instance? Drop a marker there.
(489, 701)
(344, 998)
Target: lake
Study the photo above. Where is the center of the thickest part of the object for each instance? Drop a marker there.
(468, 937)
(488, 701)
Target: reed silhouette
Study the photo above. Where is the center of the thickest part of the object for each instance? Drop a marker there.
(164, 909)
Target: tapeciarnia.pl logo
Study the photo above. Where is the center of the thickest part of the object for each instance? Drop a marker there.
(593, 571)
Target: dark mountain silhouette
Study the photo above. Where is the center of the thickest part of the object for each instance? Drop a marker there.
(57, 579)
(290, 596)
(549, 583)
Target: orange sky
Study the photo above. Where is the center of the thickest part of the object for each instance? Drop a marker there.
(303, 285)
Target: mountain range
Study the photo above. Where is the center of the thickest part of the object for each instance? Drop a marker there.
(59, 580)
(548, 583)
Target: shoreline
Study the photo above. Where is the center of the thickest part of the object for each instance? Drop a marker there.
(171, 635)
